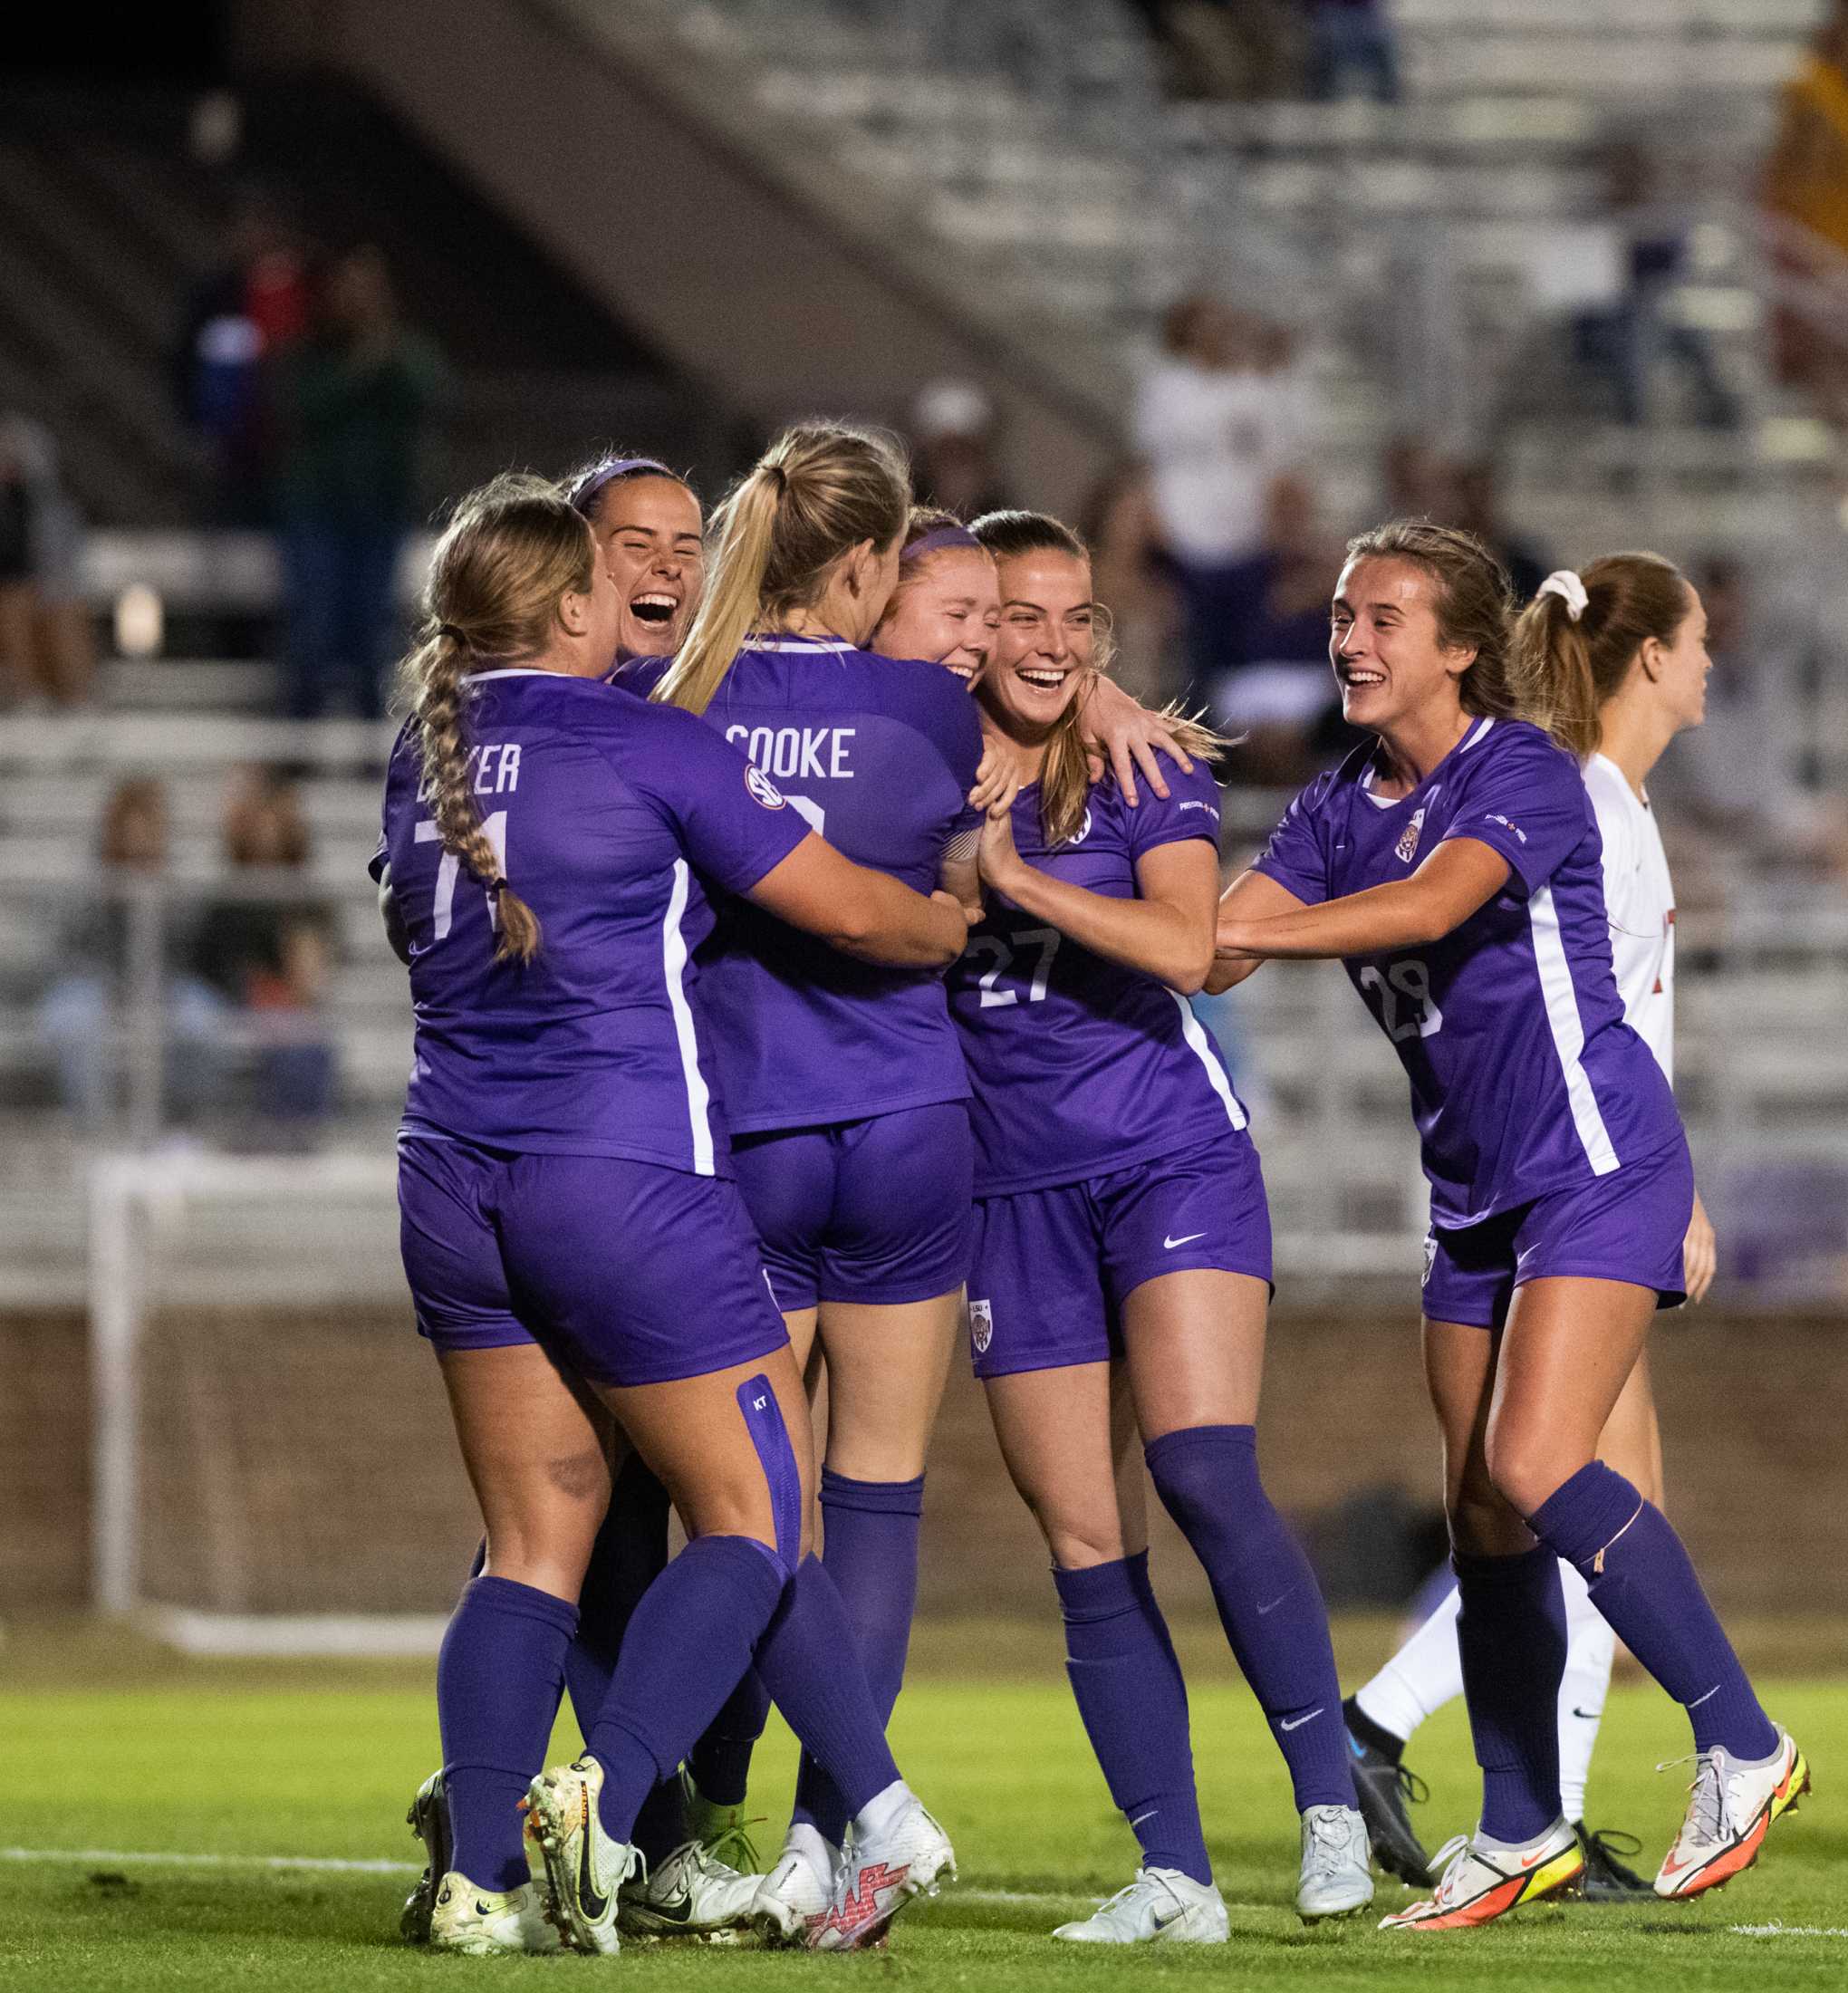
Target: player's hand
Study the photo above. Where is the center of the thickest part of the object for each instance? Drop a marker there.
(1123, 735)
(994, 777)
(1699, 1253)
(970, 915)
(997, 855)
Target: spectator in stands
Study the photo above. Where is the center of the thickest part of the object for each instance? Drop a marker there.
(45, 646)
(1631, 336)
(240, 316)
(94, 1006)
(1473, 503)
(354, 399)
(1281, 697)
(1219, 418)
(1806, 195)
(1242, 50)
(268, 952)
(1135, 583)
(1351, 38)
(1415, 480)
(955, 434)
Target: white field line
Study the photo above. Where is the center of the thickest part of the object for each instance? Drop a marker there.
(1788, 1930)
(330, 1864)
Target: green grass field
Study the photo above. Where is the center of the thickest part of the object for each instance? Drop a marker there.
(108, 1751)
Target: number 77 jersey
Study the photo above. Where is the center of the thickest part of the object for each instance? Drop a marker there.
(1081, 1066)
(1525, 1077)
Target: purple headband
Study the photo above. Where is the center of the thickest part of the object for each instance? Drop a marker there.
(583, 494)
(936, 539)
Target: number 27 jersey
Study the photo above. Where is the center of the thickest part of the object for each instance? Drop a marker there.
(1081, 1066)
(1525, 1077)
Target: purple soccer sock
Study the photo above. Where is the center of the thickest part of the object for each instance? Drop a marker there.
(720, 1762)
(688, 1643)
(1133, 1704)
(498, 1676)
(870, 1549)
(1511, 1638)
(1269, 1603)
(1642, 1581)
(809, 1664)
(630, 1554)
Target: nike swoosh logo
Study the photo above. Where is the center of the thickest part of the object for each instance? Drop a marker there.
(592, 1904)
(679, 1912)
(1169, 1244)
(1301, 1720)
(1590, 1715)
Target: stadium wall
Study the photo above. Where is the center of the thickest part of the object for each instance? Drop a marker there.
(296, 1460)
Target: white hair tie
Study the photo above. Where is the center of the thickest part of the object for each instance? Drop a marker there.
(1564, 583)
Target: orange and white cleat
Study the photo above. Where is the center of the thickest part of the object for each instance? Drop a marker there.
(1478, 1882)
(879, 1873)
(1729, 1813)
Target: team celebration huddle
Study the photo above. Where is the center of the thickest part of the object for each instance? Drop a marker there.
(802, 928)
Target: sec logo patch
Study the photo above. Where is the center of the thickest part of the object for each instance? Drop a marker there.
(981, 1326)
(762, 788)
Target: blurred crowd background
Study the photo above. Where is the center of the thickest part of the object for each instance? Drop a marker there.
(1221, 281)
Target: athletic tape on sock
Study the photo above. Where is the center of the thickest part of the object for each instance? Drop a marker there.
(770, 1436)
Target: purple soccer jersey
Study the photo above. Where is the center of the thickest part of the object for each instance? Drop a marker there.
(879, 756)
(602, 808)
(1082, 1066)
(1525, 1077)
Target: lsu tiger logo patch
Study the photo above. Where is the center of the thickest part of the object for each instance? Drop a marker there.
(981, 1326)
(1406, 850)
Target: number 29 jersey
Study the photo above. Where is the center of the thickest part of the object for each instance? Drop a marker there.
(1080, 1065)
(1525, 1077)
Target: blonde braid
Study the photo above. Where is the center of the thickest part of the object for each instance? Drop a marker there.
(436, 671)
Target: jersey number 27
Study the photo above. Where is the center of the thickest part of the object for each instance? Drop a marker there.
(1046, 939)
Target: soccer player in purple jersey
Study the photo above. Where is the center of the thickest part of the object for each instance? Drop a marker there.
(650, 534)
(1122, 1267)
(1632, 634)
(562, 1163)
(1454, 868)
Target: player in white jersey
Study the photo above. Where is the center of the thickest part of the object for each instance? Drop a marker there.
(1643, 631)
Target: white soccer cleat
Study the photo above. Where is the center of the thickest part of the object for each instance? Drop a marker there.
(1162, 1906)
(879, 1873)
(796, 1890)
(1477, 1883)
(1729, 1813)
(1336, 1880)
(483, 1923)
(691, 1894)
(428, 1819)
(585, 1869)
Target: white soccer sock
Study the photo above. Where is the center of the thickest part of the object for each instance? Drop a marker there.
(1590, 1646)
(1424, 1674)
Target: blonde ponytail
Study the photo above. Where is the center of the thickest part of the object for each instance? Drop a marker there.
(819, 490)
(1565, 667)
(727, 611)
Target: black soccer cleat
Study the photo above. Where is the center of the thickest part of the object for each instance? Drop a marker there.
(1606, 1880)
(1382, 1786)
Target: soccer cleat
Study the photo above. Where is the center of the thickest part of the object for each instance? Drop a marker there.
(1382, 1786)
(1162, 1906)
(1335, 1880)
(691, 1895)
(1606, 1879)
(879, 1875)
(722, 1831)
(1480, 1884)
(482, 1922)
(428, 1819)
(794, 1892)
(585, 1869)
(1731, 1811)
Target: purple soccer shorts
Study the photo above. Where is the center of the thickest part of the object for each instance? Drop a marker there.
(1052, 1268)
(630, 1272)
(878, 1211)
(1628, 1226)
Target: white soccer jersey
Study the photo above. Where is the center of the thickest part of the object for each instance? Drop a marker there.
(1640, 898)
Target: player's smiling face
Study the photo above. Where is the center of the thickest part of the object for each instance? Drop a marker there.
(947, 613)
(1383, 644)
(649, 535)
(1044, 642)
